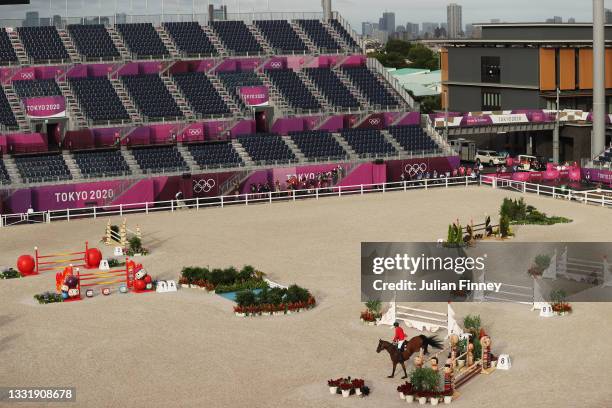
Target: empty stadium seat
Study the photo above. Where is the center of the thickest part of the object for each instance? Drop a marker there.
(371, 87)
(152, 97)
(317, 145)
(142, 40)
(368, 142)
(201, 94)
(234, 80)
(281, 37)
(160, 159)
(36, 88)
(414, 139)
(43, 43)
(42, 168)
(220, 154)
(319, 35)
(190, 39)
(98, 99)
(267, 149)
(237, 38)
(332, 87)
(101, 163)
(93, 42)
(4, 176)
(7, 118)
(7, 53)
(348, 39)
(293, 89)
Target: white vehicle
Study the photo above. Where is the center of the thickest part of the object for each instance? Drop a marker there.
(489, 157)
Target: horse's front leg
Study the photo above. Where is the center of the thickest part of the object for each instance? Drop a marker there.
(393, 373)
(405, 372)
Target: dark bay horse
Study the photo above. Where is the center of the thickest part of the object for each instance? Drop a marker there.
(410, 347)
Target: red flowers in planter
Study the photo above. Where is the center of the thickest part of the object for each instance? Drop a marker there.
(346, 386)
(311, 302)
(335, 383)
(405, 388)
(368, 316)
(357, 383)
(239, 309)
(562, 307)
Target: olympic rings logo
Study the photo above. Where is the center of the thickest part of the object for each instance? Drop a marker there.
(276, 64)
(415, 169)
(374, 121)
(195, 132)
(203, 186)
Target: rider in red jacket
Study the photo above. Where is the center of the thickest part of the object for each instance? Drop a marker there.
(399, 338)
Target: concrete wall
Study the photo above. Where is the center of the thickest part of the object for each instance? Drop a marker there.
(519, 66)
(542, 33)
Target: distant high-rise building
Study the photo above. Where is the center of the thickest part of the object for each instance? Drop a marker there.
(387, 22)
(608, 16)
(558, 20)
(366, 28)
(31, 19)
(469, 30)
(429, 28)
(453, 20)
(571, 20)
(400, 29)
(412, 29)
(381, 35)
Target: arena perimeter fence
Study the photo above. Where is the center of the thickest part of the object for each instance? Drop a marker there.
(231, 200)
(598, 197)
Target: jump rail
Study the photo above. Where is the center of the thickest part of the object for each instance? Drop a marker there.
(228, 200)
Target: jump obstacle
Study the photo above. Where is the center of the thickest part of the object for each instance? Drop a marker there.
(121, 237)
(422, 320)
(28, 265)
(579, 270)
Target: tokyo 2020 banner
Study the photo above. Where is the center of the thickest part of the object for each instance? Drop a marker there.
(45, 107)
(254, 95)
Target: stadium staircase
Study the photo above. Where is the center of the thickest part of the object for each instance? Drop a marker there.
(275, 96)
(167, 40)
(73, 167)
(179, 98)
(72, 106)
(131, 161)
(294, 148)
(118, 41)
(335, 35)
(11, 169)
(74, 55)
(222, 90)
(17, 108)
(393, 142)
(316, 92)
(363, 101)
(347, 148)
(312, 48)
(260, 39)
(127, 101)
(215, 41)
(227, 186)
(242, 153)
(22, 56)
(193, 166)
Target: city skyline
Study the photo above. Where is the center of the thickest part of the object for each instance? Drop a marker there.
(417, 11)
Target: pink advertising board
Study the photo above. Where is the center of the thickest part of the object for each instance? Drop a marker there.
(254, 95)
(45, 107)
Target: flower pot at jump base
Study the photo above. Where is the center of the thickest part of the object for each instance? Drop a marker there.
(409, 398)
(422, 400)
(185, 285)
(448, 399)
(358, 392)
(194, 286)
(434, 401)
(241, 314)
(346, 393)
(333, 390)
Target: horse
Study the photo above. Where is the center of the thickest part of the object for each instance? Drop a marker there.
(409, 347)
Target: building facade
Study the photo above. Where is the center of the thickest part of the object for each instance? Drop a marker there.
(454, 20)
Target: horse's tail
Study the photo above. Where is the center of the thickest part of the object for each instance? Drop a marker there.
(432, 341)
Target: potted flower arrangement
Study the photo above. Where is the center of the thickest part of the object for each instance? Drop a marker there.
(541, 263)
(358, 385)
(372, 313)
(333, 385)
(346, 387)
(405, 392)
(240, 311)
(425, 382)
(448, 396)
(559, 304)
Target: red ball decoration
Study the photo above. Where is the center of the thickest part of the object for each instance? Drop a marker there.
(148, 279)
(140, 285)
(93, 256)
(26, 265)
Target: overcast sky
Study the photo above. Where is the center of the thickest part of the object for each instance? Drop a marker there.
(355, 11)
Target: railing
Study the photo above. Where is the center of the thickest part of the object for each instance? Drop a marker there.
(345, 24)
(223, 201)
(374, 64)
(599, 197)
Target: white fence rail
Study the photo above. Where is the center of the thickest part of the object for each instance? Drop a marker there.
(229, 200)
(600, 197)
